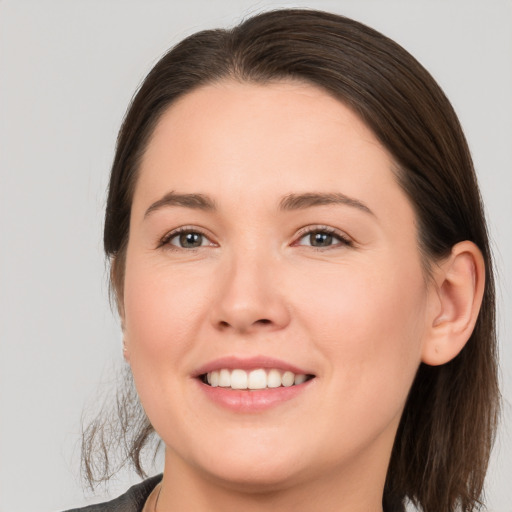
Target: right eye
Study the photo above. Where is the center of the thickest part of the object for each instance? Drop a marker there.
(186, 239)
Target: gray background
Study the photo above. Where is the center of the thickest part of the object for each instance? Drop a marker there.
(67, 72)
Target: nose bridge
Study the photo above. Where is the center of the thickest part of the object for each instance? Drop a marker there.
(249, 295)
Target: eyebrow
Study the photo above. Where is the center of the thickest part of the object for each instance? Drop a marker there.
(288, 203)
(301, 201)
(194, 201)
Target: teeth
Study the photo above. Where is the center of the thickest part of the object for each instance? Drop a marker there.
(299, 379)
(238, 379)
(287, 379)
(224, 379)
(274, 379)
(255, 379)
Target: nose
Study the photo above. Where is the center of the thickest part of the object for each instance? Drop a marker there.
(250, 297)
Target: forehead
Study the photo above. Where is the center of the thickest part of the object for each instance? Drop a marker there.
(247, 147)
(275, 110)
(242, 131)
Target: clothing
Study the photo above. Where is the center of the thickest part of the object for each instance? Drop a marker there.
(134, 499)
(131, 501)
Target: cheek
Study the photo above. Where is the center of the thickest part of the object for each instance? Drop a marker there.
(161, 309)
(164, 313)
(369, 323)
(356, 301)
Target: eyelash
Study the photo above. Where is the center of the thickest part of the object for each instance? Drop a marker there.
(343, 240)
(165, 241)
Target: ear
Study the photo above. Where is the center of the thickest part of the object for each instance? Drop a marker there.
(459, 287)
(126, 352)
(117, 283)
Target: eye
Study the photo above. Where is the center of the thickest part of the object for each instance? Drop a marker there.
(322, 238)
(186, 239)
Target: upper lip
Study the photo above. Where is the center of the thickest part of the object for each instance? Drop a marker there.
(249, 363)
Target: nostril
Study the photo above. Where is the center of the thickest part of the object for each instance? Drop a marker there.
(264, 321)
(246, 322)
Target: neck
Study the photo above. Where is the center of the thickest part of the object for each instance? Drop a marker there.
(355, 488)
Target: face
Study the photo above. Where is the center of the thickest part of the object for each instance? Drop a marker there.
(270, 246)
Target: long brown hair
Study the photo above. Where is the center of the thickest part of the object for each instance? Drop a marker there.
(443, 443)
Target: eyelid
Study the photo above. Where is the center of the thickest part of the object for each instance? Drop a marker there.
(164, 240)
(345, 240)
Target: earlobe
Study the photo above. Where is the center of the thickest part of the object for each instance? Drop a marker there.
(126, 354)
(459, 287)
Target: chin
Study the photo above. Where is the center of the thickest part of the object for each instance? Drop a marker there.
(266, 468)
(263, 478)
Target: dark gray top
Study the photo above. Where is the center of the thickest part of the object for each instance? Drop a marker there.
(131, 501)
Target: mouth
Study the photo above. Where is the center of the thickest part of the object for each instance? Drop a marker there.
(255, 379)
(247, 385)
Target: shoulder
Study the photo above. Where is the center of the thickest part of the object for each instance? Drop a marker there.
(131, 501)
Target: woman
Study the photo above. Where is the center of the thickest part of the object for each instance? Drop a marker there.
(302, 270)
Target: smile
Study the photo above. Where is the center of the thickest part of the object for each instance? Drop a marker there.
(238, 379)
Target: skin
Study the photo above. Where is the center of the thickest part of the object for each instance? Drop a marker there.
(358, 314)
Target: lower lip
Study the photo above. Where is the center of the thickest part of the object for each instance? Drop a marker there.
(252, 400)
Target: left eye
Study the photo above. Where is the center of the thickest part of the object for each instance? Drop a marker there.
(188, 240)
(322, 238)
